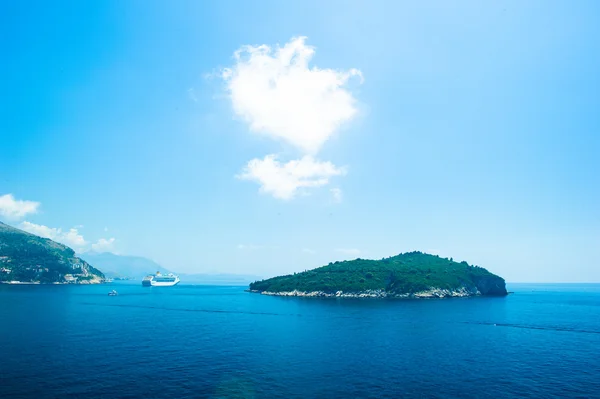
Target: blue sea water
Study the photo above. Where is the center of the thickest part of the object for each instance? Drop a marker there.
(543, 341)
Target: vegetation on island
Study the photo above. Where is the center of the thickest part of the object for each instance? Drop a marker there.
(26, 257)
(407, 273)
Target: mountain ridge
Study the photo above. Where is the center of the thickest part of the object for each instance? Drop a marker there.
(123, 266)
(136, 267)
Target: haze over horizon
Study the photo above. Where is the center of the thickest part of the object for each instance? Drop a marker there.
(267, 139)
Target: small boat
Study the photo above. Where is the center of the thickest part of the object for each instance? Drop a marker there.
(113, 293)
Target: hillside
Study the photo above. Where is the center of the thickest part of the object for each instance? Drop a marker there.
(413, 274)
(28, 258)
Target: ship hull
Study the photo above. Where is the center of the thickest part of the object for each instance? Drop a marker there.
(164, 283)
(150, 281)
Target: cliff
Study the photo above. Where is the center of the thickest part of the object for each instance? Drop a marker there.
(409, 275)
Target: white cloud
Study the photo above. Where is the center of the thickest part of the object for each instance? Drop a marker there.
(16, 209)
(70, 238)
(309, 251)
(104, 245)
(348, 251)
(337, 194)
(284, 180)
(280, 96)
(73, 239)
(40, 230)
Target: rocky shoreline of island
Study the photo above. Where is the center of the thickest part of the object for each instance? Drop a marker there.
(431, 293)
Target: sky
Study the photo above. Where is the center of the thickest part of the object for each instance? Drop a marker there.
(271, 137)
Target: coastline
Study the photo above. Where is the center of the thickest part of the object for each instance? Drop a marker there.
(427, 294)
(84, 282)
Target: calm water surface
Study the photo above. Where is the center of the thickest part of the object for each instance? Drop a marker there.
(543, 341)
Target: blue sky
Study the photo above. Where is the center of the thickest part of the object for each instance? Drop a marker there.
(470, 130)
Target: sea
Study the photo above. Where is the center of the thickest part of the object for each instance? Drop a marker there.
(195, 341)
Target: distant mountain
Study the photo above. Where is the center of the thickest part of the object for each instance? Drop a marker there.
(27, 258)
(409, 275)
(115, 266)
(137, 267)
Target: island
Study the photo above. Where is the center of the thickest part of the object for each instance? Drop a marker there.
(408, 275)
(28, 259)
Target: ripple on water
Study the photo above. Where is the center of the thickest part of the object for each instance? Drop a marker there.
(221, 342)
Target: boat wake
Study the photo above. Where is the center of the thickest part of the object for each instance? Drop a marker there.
(528, 327)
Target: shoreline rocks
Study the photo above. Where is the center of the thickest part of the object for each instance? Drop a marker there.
(431, 293)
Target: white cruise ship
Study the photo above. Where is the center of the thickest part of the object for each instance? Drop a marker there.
(160, 280)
